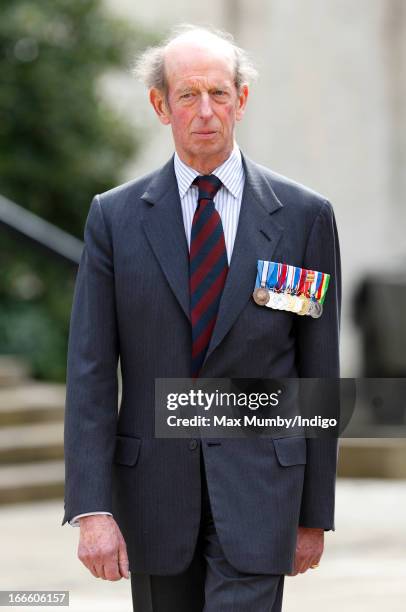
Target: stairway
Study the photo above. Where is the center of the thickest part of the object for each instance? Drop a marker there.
(31, 441)
(31, 435)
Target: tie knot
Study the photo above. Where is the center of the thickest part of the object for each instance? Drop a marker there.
(208, 185)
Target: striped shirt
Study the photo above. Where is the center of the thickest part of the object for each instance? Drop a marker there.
(227, 201)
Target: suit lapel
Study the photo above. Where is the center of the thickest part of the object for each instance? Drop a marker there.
(258, 231)
(163, 225)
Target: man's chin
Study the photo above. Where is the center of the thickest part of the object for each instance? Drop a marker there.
(214, 145)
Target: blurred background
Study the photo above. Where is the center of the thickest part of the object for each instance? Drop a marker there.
(329, 110)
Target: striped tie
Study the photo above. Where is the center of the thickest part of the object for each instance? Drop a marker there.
(208, 268)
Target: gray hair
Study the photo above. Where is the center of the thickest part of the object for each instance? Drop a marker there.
(150, 65)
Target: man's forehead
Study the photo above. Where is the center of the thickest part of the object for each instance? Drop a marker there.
(187, 59)
(199, 82)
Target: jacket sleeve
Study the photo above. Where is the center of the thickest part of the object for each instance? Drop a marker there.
(318, 357)
(92, 383)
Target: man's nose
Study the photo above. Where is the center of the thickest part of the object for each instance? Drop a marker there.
(205, 109)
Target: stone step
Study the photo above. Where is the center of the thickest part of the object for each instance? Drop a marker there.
(13, 370)
(37, 442)
(31, 402)
(372, 458)
(31, 465)
(23, 483)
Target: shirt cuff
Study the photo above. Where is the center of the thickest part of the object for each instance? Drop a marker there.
(75, 522)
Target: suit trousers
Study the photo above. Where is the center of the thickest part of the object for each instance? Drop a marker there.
(210, 583)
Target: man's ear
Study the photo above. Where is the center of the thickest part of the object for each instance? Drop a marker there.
(157, 99)
(242, 102)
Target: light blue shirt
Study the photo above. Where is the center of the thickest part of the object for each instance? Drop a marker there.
(227, 201)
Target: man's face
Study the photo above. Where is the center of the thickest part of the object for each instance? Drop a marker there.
(202, 104)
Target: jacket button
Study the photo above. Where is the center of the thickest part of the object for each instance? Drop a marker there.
(193, 444)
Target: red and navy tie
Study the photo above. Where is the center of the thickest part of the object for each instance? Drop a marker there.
(208, 268)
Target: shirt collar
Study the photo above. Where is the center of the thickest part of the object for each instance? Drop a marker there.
(229, 172)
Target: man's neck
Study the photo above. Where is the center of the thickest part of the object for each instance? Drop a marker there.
(205, 166)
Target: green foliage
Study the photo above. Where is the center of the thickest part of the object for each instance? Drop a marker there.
(60, 143)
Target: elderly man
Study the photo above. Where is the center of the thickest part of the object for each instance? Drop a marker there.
(166, 284)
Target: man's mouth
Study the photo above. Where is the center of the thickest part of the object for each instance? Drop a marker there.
(205, 133)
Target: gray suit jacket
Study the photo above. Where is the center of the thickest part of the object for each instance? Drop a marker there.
(131, 301)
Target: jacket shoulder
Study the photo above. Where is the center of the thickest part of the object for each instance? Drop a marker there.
(294, 194)
(131, 190)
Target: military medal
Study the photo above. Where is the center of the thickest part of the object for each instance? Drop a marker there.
(300, 275)
(321, 293)
(303, 288)
(275, 282)
(317, 292)
(285, 287)
(305, 306)
(315, 309)
(295, 303)
(273, 300)
(261, 293)
(288, 295)
(282, 299)
(279, 301)
(290, 304)
(261, 296)
(299, 299)
(268, 275)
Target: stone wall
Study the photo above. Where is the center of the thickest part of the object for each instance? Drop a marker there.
(328, 111)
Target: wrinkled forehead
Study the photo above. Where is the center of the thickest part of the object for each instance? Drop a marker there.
(188, 60)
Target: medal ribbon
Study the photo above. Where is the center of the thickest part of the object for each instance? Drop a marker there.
(273, 276)
(264, 273)
(282, 273)
(302, 279)
(298, 281)
(321, 293)
(315, 286)
(308, 282)
(290, 277)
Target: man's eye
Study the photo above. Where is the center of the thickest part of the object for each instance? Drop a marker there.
(186, 95)
(219, 92)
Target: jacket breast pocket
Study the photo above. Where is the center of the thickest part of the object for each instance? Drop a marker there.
(127, 450)
(290, 451)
